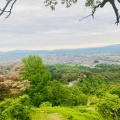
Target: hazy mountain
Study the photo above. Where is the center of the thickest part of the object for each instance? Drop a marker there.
(86, 56)
(112, 48)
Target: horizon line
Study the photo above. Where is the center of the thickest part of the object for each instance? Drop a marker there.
(64, 48)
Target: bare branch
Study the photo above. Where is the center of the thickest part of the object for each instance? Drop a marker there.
(9, 3)
(85, 17)
(102, 5)
(93, 12)
(3, 10)
(11, 9)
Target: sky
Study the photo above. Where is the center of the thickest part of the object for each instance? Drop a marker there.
(36, 27)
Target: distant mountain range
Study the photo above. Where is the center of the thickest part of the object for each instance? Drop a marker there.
(111, 49)
(83, 56)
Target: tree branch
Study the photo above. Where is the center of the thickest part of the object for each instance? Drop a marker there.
(85, 17)
(102, 5)
(93, 12)
(4, 10)
(10, 4)
(11, 9)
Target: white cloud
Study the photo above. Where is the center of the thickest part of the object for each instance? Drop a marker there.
(34, 26)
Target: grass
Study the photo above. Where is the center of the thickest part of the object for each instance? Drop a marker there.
(64, 113)
(45, 116)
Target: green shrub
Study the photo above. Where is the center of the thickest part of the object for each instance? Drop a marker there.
(18, 108)
(46, 104)
(20, 112)
(115, 90)
(109, 106)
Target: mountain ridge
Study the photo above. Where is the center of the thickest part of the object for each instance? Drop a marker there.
(110, 48)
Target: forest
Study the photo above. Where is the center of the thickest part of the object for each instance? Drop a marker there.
(31, 90)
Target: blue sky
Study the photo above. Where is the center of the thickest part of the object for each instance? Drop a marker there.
(34, 26)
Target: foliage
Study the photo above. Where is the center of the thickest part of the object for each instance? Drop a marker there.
(91, 83)
(67, 73)
(79, 96)
(4, 91)
(94, 4)
(64, 96)
(35, 72)
(11, 83)
(46, 104)
(109, 106)
(43, 89)
(18, 108)
(89, 3)
(115, 90)
(60, 94)
(95, 92)
(69, 3)
(53, 3)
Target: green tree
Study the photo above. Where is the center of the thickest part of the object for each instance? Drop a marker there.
(109, 106)
(115, 90)
(79, 97)
(34, 71)
(90, 84)
(65, 96)
(61, 94)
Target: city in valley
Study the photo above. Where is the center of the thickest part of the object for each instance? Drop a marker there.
(86, 57)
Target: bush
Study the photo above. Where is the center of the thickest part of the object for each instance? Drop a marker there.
(46, 104)
(109, 106)
(115, 90)
(18, 108)
(20, 112)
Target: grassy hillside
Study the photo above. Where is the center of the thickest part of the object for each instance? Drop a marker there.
(65, 113)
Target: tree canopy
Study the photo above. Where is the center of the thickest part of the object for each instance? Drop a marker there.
(35, 72)
(94, 4)
(93, 95)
